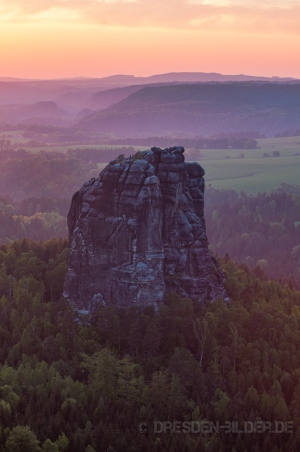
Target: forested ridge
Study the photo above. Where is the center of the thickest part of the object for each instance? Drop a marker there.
(201, 109)
(261, 231)
(84, 384)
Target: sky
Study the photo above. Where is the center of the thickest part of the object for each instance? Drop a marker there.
(97, 38)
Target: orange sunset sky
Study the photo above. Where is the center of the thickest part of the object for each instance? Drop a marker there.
(67, 38)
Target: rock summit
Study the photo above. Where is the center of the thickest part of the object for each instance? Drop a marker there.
(137, 233)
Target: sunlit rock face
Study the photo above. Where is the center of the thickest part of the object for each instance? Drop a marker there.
(137, 233)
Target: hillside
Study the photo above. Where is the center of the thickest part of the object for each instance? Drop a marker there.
(104, 99)
(208, 77)
(37, 112)
(76, 94)
(202, 109)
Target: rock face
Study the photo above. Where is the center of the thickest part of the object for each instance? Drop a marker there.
(137, 233)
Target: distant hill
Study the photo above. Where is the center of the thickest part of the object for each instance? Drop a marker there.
(181, 77)
(13, 90)
(45, 108)
(104, 99)
(38, 112)
(207, 77)
(203, 109)
(77, 95)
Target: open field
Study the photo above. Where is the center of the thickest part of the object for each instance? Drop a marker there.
(223, 167)
(252, 175)
(286, 144)
(15, 137)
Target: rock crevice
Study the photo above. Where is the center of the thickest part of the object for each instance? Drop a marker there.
(137, 233)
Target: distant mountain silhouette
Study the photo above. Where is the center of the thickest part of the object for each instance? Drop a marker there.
(104, 99)
(202, 109)
(75, 97)
(205, 77)
(38, 111)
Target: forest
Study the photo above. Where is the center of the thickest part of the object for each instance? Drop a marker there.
(78, 383)
(261, 231)
(70, 382)
(57, 175)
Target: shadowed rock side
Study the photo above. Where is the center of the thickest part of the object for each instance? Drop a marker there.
(137, 232)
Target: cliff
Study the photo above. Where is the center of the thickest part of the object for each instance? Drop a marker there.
(137, 233)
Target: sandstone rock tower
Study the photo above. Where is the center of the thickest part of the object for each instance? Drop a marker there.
(137, 232)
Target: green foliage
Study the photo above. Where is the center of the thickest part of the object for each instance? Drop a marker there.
(250, 144)
(137, 156)
(87, 385)
(62, 443)
(56, 175)
(49, 446)
(26, 220)
(261, 231)
(22, 439)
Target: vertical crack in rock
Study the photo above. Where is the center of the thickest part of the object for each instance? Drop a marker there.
(137, 233)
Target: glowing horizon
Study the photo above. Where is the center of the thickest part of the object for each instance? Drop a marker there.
(88, 38)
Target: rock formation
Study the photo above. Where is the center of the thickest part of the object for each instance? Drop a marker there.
(137, 233)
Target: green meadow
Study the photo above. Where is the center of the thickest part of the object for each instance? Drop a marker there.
(254, 173)
(225, 169)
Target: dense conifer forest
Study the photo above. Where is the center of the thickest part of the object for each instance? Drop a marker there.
(262, 231)
(119, 379)
(71, 383)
